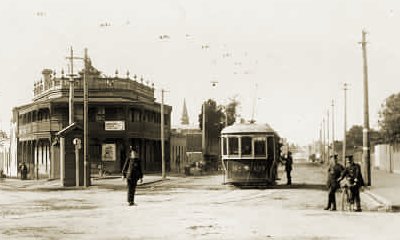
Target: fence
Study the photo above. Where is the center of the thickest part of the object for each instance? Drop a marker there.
(387, 158)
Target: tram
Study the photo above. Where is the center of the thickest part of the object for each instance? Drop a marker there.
(250, 154)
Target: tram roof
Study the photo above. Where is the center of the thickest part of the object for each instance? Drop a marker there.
(247, 128)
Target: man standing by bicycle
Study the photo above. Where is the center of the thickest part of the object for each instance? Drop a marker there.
(352, 172)
(334, 171)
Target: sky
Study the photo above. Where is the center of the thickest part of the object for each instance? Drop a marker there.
(284, 60)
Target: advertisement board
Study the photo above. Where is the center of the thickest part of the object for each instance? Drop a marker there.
(114, 125)
(108, 152)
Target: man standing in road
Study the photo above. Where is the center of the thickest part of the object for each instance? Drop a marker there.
(132, 171)
(352, 173)
(288, 168)
(334, 171)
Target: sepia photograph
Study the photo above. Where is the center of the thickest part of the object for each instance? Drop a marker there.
(200, 119)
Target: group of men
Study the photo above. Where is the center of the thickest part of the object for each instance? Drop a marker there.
(352, 173)
(132, 171)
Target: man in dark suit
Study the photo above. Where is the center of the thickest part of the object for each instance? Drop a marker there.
(334, 171)
(132, 171)
(352, 173)
(288, 167)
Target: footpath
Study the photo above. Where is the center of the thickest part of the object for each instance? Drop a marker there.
(115, 182)
(385, 189)
(383, 195)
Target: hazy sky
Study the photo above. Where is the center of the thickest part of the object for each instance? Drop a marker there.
(290, 57)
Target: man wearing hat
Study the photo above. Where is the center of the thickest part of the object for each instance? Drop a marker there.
(334, 171)
(132, 171)
(352, 172)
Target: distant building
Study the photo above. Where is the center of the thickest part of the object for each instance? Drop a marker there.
(185, 140)
(122, 112)
(185, 116)
(5, 160)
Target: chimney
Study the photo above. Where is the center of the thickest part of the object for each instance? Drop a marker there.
(46, 74)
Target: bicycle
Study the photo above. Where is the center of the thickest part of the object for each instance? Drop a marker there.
(102, 171)
(347, 197)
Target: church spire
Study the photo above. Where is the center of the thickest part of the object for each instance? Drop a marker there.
(185, 116)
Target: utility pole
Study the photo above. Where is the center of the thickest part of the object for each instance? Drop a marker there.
(71, 87)
(345, 124)
(320, 143)
(163, 174)
(203, 135)
(327, 133)
(366, 143)
(86, 172)
(323, 140)
(333, 127)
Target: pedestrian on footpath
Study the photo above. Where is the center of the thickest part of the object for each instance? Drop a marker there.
(24, 171)
(334, 171)
(352, 173)
(288, 168)
(132, 171)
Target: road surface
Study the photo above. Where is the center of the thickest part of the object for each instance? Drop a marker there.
(190, 208)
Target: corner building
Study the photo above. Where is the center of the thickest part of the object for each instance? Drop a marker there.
(122, 112)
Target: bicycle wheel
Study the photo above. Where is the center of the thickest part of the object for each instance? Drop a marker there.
(346, 204)
(344, 200)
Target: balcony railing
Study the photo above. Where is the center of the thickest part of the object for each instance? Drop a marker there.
(94, 84)
(39, 127)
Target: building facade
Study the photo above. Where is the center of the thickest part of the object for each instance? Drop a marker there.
(122, 112)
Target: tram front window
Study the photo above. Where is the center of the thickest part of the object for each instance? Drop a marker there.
(224, 150)
(259, 147)
(233, 146)
(246, 145)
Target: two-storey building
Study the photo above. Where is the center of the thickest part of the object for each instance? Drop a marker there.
(122, 112)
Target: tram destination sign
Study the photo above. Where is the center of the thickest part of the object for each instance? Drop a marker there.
(114, 125)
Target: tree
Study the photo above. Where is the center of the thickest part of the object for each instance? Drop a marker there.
(214, 119)
(389, 121)
(230, 110)
(354, 137)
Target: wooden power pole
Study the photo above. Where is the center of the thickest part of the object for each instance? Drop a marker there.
(345, 124)
(163, 173)
(86, 165)
(333, 127)
(366, 143)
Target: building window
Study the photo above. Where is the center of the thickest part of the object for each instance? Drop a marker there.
(100, 116)
(111, 114)
(136, 115)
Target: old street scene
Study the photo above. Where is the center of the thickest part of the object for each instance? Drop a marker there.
(199, 120)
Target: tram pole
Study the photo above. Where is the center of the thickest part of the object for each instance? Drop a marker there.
(86, 166)
(345, 124)
(163, 173)
(327, 135)
(333, 127)
(323, 140)
(203, 135)
(366, 141)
